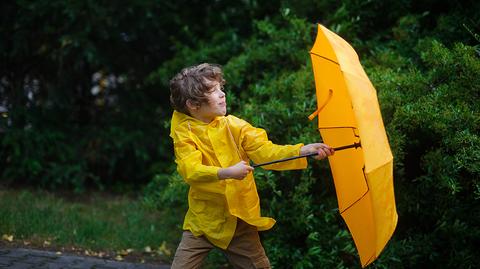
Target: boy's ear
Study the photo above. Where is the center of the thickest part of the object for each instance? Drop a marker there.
(191, 105)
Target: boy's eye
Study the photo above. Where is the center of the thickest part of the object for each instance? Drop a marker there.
(214, 89)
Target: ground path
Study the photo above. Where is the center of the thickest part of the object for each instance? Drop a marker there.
(22, 258)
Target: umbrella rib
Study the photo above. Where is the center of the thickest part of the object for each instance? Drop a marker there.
(370, 260)
(324, 58)
(363, 195)
(356, 200)
(340, 127)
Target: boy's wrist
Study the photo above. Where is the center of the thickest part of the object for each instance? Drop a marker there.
(303, 150)
(223, 173)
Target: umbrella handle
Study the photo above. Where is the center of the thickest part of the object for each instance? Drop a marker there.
(354, 145)
(314, 114)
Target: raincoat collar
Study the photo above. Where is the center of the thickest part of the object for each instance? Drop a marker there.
(179, 117)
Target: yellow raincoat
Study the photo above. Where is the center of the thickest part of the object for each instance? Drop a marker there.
(201, 149)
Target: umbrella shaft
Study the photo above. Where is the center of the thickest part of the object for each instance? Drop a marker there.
(354, 145)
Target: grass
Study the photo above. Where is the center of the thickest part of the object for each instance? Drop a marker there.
(94, 223)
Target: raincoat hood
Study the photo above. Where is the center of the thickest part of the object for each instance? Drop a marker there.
(177, 118)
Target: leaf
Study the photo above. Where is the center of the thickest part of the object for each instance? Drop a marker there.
(125, 252)
(164, 250)
(7, 237)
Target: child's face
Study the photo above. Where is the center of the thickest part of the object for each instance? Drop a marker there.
(216, 105)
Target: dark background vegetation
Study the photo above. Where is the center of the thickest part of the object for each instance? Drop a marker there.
(84, 105)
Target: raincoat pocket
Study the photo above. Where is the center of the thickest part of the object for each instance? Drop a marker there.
(211, 205)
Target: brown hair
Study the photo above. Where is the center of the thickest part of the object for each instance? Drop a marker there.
(193, 83)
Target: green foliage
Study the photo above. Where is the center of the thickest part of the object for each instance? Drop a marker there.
(433, 111)
(43, 157)
(166, 191)
(56, 132)
(51, 156)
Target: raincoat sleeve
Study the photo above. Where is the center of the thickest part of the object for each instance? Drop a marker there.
(260, 149)
(189, 162)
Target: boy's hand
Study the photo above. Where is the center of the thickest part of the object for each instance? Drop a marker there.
(323, 150)
(237, 171)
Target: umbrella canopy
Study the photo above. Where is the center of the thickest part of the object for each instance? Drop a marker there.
(348, 112)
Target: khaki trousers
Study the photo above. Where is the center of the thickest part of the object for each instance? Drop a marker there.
(245, 249)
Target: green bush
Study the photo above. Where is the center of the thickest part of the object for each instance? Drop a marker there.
(43, 157)
(433, 118)
(167, 191)
(119, 156)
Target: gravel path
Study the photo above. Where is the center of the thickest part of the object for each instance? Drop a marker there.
(21, 258)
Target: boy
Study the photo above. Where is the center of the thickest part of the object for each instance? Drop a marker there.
(212, 154)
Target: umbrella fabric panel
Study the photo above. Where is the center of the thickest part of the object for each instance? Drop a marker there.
(351, 190)
(345, 55)
(335, 96)
(380, 182)
(322, 47)
(338, 109)
(360, 221)
(370, 124)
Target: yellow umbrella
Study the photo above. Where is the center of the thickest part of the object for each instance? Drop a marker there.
(348, 112)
